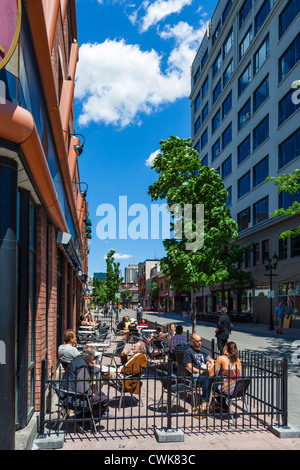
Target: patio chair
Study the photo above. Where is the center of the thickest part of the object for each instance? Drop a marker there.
(119, 385)
(176, 388)
(239, 393)
(156, 349)
(115, 354)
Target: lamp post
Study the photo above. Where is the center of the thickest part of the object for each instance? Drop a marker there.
(271, 265)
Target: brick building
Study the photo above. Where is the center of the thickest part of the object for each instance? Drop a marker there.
(43, 249)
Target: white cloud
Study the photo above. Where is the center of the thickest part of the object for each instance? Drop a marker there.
(119, 256)
(150, 160)
(117, 82)
(160, 9)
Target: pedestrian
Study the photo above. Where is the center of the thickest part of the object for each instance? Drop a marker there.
(223, 329)
(278, 317)
(160, 311)
(139, 313)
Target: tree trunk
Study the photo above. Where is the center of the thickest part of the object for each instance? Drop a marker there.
(193, 294)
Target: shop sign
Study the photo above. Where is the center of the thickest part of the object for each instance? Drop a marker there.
(10, 25)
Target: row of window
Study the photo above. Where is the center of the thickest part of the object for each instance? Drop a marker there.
(261, 251)
(260, 212)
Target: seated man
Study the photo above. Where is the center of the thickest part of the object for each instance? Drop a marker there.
(196, 360)
(77, 379)
(178, 338)
(68, 351)
(132, 365)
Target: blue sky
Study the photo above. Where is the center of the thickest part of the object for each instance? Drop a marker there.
(132, 88)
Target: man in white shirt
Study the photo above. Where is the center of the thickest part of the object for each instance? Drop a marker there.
(68, 350)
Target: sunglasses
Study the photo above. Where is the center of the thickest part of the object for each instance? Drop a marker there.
(197, 340)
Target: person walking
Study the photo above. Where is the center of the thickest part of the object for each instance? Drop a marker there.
(139, 313)
(278, 317)
(223, 329)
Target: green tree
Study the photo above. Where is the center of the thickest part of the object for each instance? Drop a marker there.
(100, 291)
(112, 276)
(289, 183)
(128, 295)
(183, 180)
(154, 292)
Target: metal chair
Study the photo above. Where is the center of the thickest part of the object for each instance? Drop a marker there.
(239, 393)
(119, 385)
(175, 388)
(115, 354)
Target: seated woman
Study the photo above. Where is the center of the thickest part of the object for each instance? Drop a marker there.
(229, 367)
(159, 335)
(122, 327)
(143, 324)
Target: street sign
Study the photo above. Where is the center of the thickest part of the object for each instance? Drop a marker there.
(271, 294)
(118, 295)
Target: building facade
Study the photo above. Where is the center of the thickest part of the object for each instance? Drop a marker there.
(245, 124)
(131, 272)
(44, 244)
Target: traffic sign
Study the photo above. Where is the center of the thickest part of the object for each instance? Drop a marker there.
(271, 294)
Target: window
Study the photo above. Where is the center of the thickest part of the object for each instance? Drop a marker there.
(244, 149)
(197, 146)
(227, 136)
(197, 125)
(197, 102)
(261, 210)
(245, 11)
(215, 150)
(246, 41)
(261, 133)
(227, 105)
(197, 75)
(244, 114)
(286, 107)
(261, 55)
(216, 33)
(289, 149)
(261, 94)
(285, 199)
(204, 59)
(205, 112)
(295, 247)
(256, 261)
(289, 59)
(265, 250)
(216, 121)
(244, 185)
(228, 43)
(204, 138)
(205, 87)
(244, 79)
(244, 219)
(282, 248)
(261, 171)
(229, 200)
(217, 64)
(288, 15)
(228, 73)
(205, 160)
(226, 167)
(217, 91)
(226, 11)
(261, 15)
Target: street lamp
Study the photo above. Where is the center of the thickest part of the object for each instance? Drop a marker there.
(271, 265)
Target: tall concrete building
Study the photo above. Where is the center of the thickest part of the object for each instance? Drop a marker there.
(131, 272)
(245, 124)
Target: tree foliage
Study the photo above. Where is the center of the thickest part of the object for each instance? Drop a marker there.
(112, 279)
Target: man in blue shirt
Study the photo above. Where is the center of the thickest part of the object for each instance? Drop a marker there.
(279, 315)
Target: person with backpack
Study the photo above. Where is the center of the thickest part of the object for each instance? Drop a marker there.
(223, 330)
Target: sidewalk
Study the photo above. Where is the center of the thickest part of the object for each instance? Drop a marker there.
(248, 337)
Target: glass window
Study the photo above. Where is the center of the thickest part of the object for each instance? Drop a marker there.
(244, 185)
(244, 149)
(205, 112)
(245, 11)
(229, 200)
(204, 59)
(244, 79)
(261, 210)
(205, 87)
(261, 132)
(295, 247)
(261, 171)
(261, 15)
(217, 91)
(261, 94)
(205, 160)
(217, 64)
(261, 55)
(246, 41)
(244, 114)
(288, 15)
(289, 59)
(243, 219)
(282, 248)
(215, 150)
(204, 138)
(197, 102)
(227, 105)
(216, 33)
(228, 73)
(197, 126)
(228, 43)
(227, 136)
(289, 149)
(265, 250)
(226, 167)
(216, 120)
(285, 199)
(226, 11)
(286, 107)
(256, 260)
(197, 75)
(197, 146)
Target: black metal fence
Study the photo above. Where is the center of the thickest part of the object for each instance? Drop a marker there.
(167, 397)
